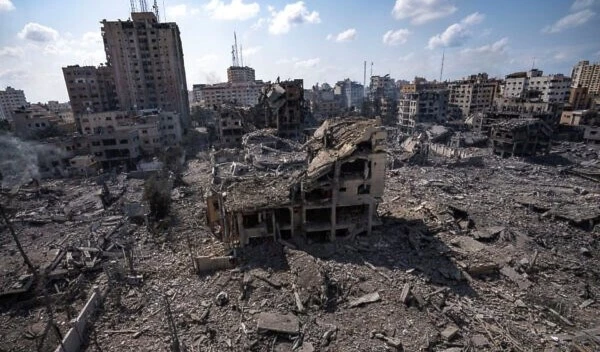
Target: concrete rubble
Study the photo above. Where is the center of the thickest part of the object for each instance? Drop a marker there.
(481, 253)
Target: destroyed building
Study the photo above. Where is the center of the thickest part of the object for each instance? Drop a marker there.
(283, 107)
(329, 187)
(229, 125)
(522, 137)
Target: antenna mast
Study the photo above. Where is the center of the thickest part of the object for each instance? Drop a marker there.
(533, 64)
(442, 68)
(365, 78)
(371, 68)
(143, 6)
(156, 12)
(232, 55)
(132, 4)
(237, 62)
(241, 55)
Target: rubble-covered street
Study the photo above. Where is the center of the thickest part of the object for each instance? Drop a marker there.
(481, 254)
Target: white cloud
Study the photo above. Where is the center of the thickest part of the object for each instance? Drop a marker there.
(422, 11)
(38, 33)
(179, 11)
(570, 21)
(456, 34)
(494, 48)
(581, 4)
(235, 10)
(253, 50)
(308, 63)
(258, 24)
(292, 15)
(6, 5)
(11, 51)
(344, 36)
(399, 36)
(406, 57)
(13, 75)
(474, 18)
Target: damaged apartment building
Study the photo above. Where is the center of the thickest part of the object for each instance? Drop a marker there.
(281, 106)
(277, 188)
(521, 137)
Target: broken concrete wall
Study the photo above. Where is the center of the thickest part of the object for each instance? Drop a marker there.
(76, 336)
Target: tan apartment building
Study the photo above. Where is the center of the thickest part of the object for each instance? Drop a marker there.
(587, 75)
(473, 94)
(146, 57)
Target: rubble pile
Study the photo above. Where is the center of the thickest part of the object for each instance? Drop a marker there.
(501, 254)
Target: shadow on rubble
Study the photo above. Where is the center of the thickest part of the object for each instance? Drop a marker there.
(266, 254)
(399, 245)
(549, 160)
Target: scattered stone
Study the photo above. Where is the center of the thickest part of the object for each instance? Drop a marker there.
(479, 341)
(405, 293)
(515, 277)
(586, 303)
(449, 332)
(282, 323)
(368, 298)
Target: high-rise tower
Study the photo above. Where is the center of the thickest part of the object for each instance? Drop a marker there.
(146, 57)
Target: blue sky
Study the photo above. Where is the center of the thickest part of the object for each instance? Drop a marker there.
(320, 41)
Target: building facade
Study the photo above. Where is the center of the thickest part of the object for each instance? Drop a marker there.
(383, 87)
(352, 94)
(551, 88)
(236, 74)
(426, 106)
(10, 100)
(146, 57)
(472, 94)
(587, 75)
(239, 93)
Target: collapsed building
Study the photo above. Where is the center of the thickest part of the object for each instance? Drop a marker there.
(522, 137)
(283, 107)
(327, 188)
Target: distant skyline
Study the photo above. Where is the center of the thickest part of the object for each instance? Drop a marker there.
(319, 41)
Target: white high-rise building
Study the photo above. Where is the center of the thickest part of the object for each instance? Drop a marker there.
(550, 89)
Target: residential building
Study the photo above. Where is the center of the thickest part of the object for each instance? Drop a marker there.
(91, 89)
(285, 108)
(156, 129)
(551, 88)
(425, 106)
(471, 95)
(229, 126)
(580, 99)
(521, 137)
(236, 74)
(528, 108)
(382, 87)
(419, 84)
(350, 93)
(36, 121)
(10, 100)
(586, 75)
(116, 148)
(146, 57)
(323, 102)
(573, 117)
(239, 93)
(62, 110)
(92, 123)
